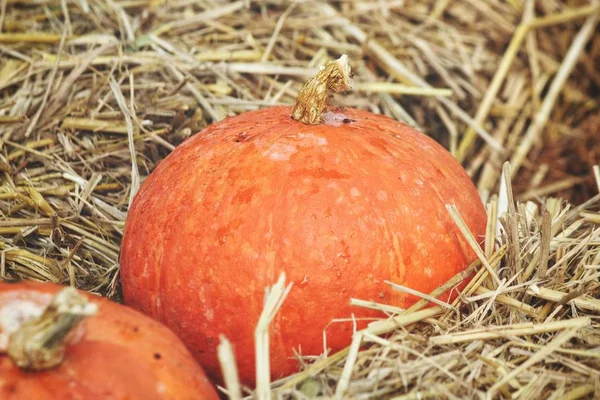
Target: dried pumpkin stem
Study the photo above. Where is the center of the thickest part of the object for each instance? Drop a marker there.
(39, 343)
(314, 96)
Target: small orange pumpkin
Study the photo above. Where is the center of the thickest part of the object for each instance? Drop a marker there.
(340, 201)
(116, 354)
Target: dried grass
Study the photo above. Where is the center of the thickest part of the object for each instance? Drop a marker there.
(94, 94)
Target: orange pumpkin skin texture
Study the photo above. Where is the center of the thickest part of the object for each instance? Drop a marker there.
(339, 208)
(122, 354)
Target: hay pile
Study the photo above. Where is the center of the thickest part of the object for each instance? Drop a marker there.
(93, 94)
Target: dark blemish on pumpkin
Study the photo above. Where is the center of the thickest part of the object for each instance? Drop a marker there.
(348, 120)
(242, 137)
(319, 173)
(136, 329)
(10, 388)
(157, 356)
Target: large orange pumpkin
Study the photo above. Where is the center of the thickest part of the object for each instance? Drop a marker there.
(118, 353)
(340, 202)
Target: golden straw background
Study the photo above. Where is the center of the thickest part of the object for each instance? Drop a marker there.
(95, 93)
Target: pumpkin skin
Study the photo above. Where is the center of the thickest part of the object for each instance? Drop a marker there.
(118, 353)
(339, 207)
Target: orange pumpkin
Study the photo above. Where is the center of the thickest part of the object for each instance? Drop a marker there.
(340, 201)
(118, 353)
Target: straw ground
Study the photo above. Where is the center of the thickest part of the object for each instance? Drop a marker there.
(93, 94)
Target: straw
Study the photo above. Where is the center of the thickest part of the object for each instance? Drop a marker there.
(94, 95)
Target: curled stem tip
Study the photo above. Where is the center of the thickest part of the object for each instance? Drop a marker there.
(39, 343)
(314, 96)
